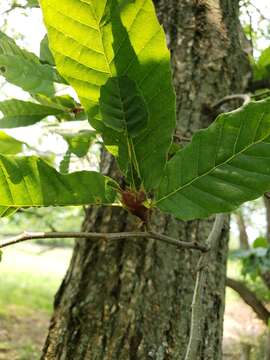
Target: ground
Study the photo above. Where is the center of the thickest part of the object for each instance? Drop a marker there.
(29, 277)
(21, 336)
(241, 326)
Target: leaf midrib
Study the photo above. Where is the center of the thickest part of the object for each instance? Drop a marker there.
(101, 37)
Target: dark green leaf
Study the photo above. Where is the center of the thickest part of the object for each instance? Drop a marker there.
(72, 110)
(224, 166)
(16, 113)
(7, 211)
(45, 52)
(122, 106)
(65, 163)
(80, 142)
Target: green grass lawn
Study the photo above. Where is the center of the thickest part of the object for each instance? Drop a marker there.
(29, 280)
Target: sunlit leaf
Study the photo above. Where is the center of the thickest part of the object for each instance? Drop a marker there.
(260, 242)
(65, 163)
(9, 145)
(6, 211)
(104, 39)
(30, 181)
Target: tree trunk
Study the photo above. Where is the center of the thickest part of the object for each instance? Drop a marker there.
(266, 274)
(243, 236)
(267, 215)
(132, 300)
(245, 351)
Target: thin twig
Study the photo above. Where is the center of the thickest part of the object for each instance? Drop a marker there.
(13, 7)
(245, 97)
(262, 16)
(181, 138)
(195, 329)
(26, 236)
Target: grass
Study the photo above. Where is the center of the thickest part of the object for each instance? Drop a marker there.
(28, 351)
(28, 281)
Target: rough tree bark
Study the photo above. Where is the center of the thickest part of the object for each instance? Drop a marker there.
(131, 300)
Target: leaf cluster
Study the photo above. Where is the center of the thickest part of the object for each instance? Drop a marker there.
(256, 260)
(123, 79)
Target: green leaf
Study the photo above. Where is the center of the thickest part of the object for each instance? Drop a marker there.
(224, 166)
(9, 47)
(261, 68)
(95, 40)
(80, 142)
(9, 145)
(30, 181)
(32, 3)
(173, 149)
(260, 242)
(17, 113)
(46, 55)
(7, 211)
(255, 262)
(64, 102)
(72, 110)
(122, 106)
(124, 110)
(22, 68)
(65, 163)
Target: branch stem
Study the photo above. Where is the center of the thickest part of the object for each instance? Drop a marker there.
(250, 298)
(196, 307)
(244, 97)
(26, 236)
